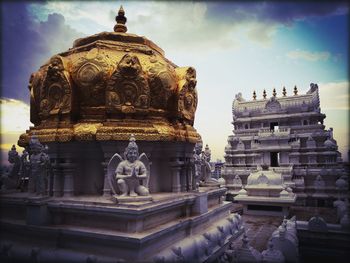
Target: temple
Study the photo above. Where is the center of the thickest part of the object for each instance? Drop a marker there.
(113, 169)
(107, 174)
(285, 134)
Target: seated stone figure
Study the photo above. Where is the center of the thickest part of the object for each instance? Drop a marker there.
(206, 167)
(131, 174)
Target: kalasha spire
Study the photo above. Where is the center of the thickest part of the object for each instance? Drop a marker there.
(121, 20)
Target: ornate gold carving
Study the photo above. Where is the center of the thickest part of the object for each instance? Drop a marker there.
(86, 131)
(90, 74)
(35, 87)
(162, 81)
(117, 84)
(127, 89)
(187, 95)
(56, 94)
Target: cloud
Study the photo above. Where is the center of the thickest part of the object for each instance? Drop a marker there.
(334, 95)
(15, 116)
(271, 12)
(308, 55)
(29, 44)
(198, 24)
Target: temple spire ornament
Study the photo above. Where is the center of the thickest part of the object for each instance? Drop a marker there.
(121, 20)
(254, 95)
(284, 92)
(274, 92)
(295, 90)
(264, 94)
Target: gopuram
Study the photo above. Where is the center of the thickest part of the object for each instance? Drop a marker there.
(286, 135)
(108, 172)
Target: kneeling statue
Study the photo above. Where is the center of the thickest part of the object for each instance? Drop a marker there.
(130, 175)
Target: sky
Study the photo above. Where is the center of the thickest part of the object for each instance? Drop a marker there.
(234, 47)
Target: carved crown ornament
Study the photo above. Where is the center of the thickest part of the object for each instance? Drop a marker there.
(112, 84)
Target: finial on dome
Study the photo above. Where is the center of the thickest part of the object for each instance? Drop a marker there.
(121, 20)
(295, 90)
(264, 94)
(274, 92)
(254, 95)
(284, 92)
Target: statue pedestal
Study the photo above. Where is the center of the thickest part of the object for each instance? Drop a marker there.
(197, 226)
(209, 184)
(37, 212)
(131, 199)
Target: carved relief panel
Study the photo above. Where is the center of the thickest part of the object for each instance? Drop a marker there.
(56, 93)
(162, 82)
(272, 105)
(35, 86)
(187, 95)
(127, 89)
(90, 74)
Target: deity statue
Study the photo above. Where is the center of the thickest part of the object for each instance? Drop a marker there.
(319, 183)
(197, 164)
(206, 167)
(25, 170)
(10, 179)
(39, 162)
(131, 175)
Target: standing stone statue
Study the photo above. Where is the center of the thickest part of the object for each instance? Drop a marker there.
(10, 180)
(197, 164)
(25, 171)
(39, 162)
(206, 168)
(129, 177)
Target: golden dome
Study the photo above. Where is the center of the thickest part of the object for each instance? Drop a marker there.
(110, 85)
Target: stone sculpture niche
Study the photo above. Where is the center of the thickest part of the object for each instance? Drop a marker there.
(129, 177)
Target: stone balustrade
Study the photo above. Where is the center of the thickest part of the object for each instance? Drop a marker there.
(267, 132)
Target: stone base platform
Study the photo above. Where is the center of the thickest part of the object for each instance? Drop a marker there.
(197, 226)
(131, 199)
(261, 205)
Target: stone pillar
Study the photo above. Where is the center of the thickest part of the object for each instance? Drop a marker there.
(68, 169)
(189, 175)
(106, 186)
(176, 167)
(183, 178)
(56, 188)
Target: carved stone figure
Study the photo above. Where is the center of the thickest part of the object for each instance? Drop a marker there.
(206, 167)
(25, 171)
(237, 181)
(197, 164)
(131, 175)
(10, 180)
(319, 183)
(39, 163)
(342, 208)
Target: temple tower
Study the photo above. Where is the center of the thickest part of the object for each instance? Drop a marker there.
(286, 134)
